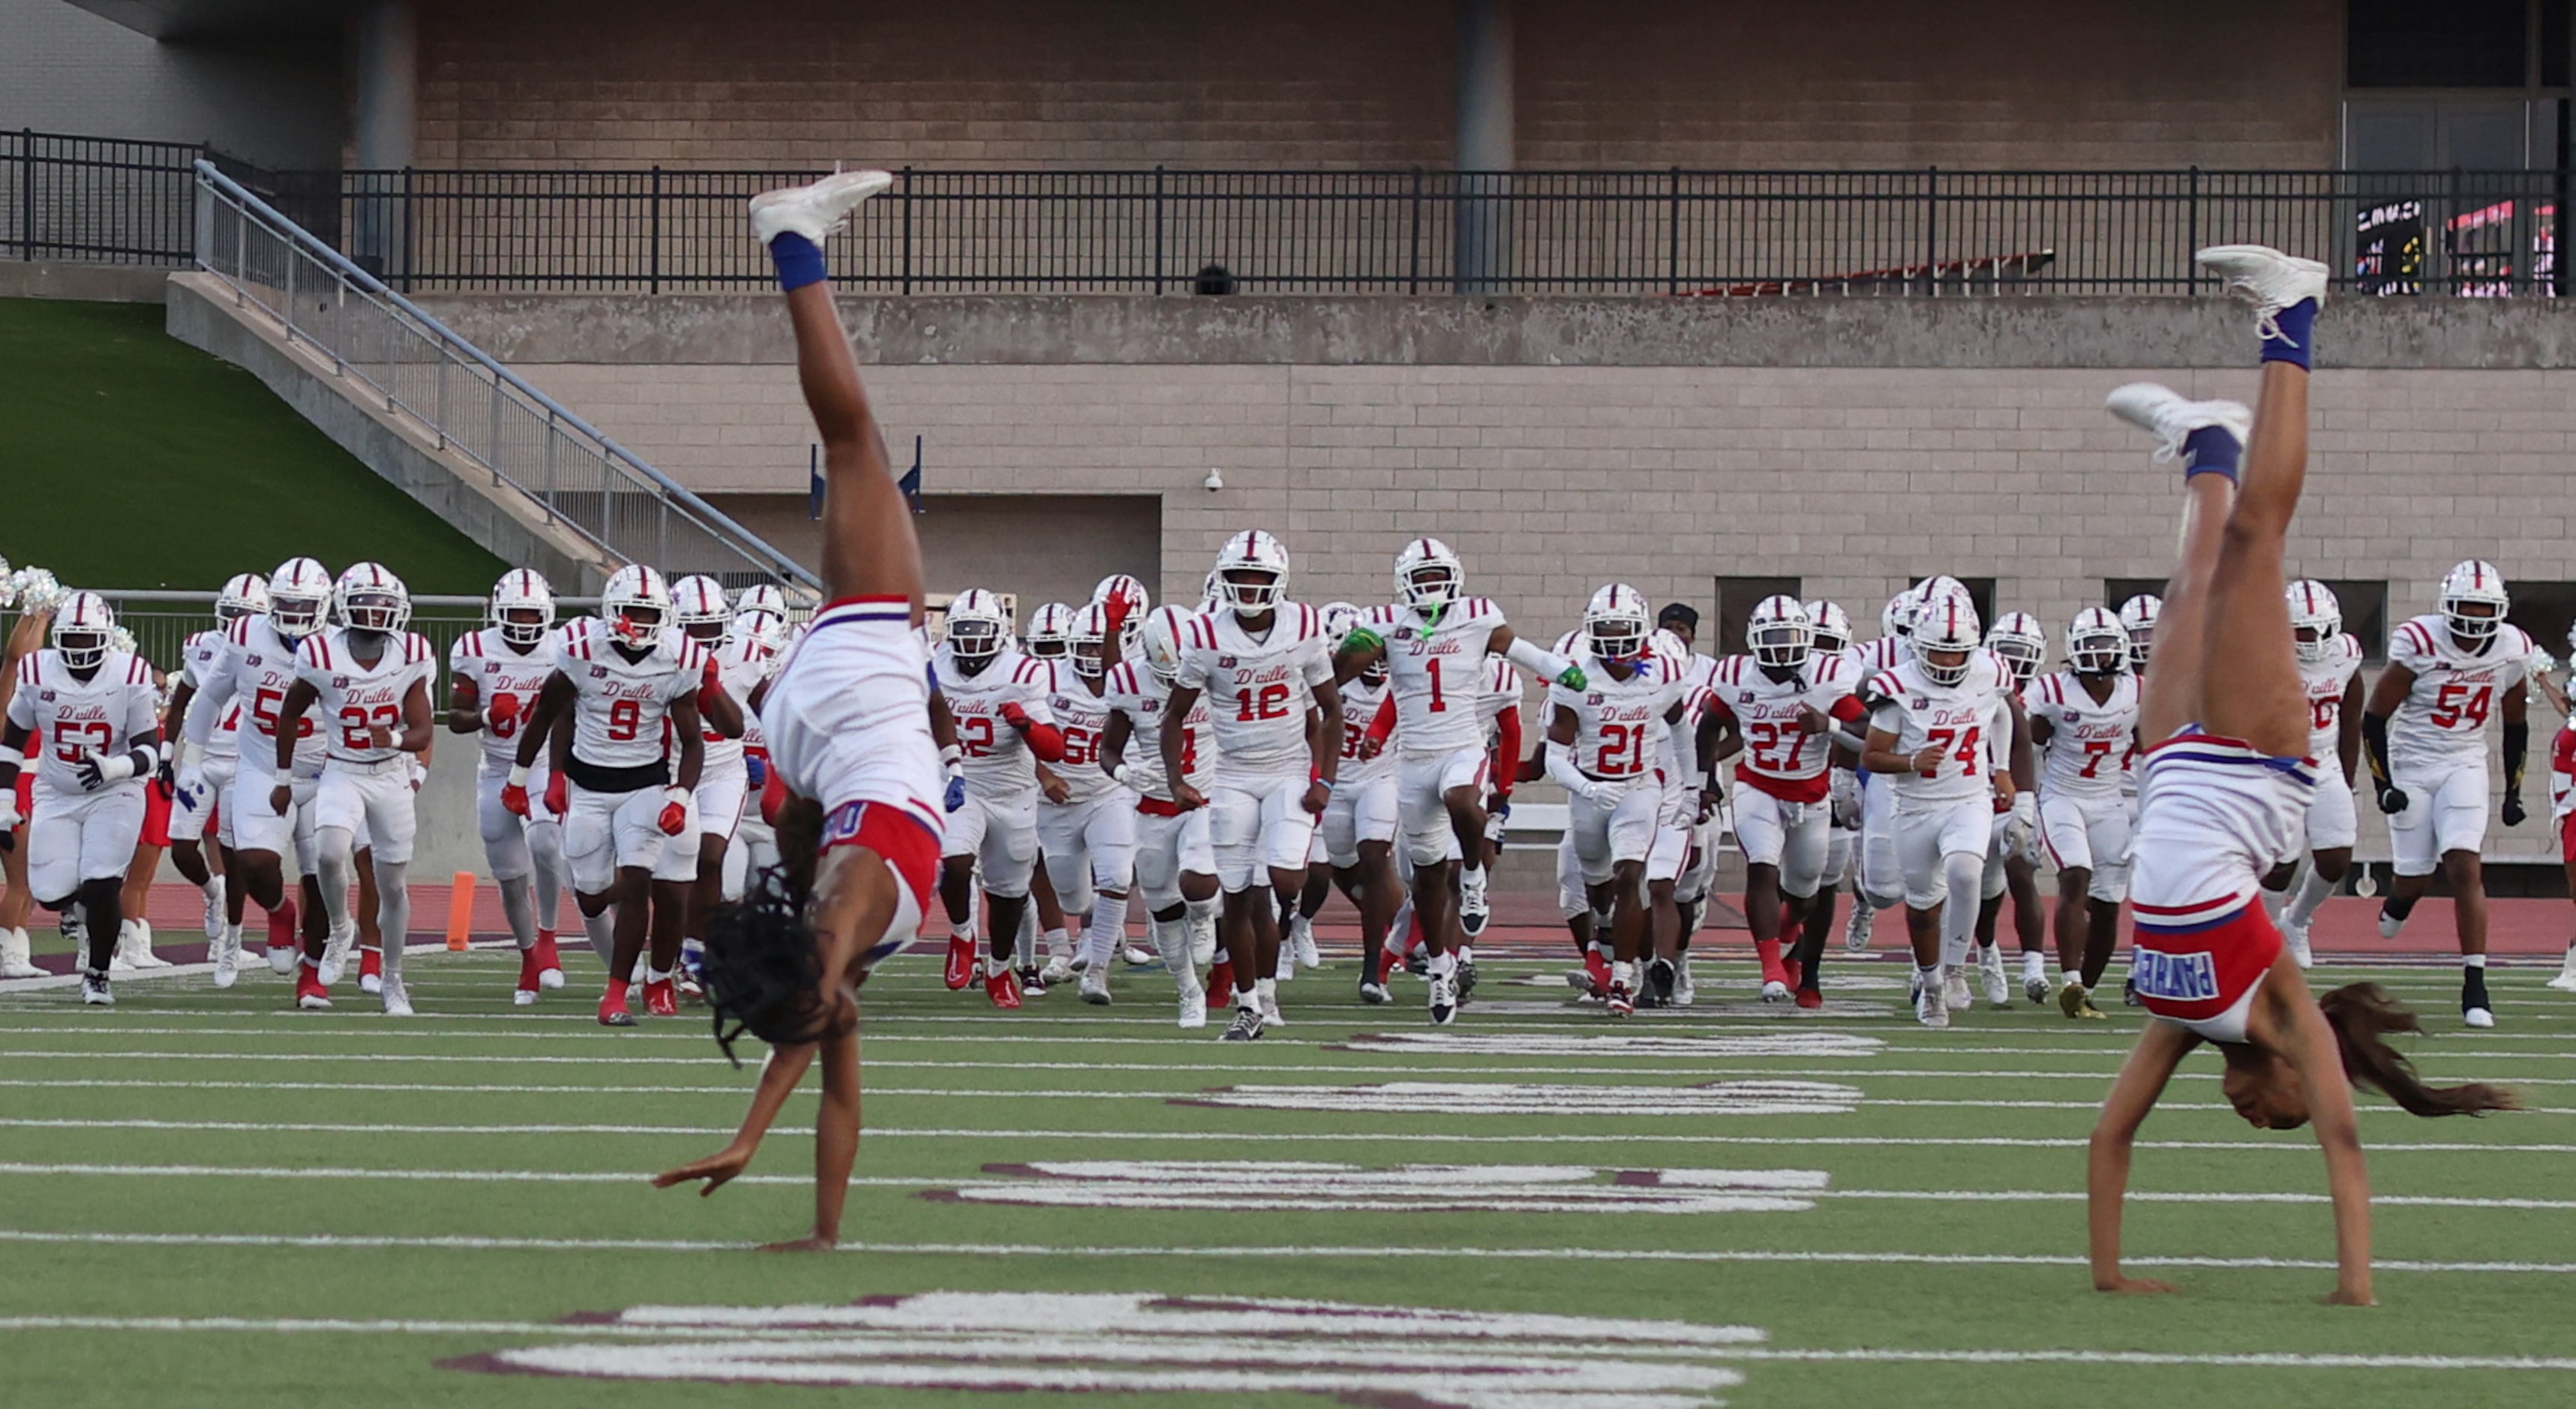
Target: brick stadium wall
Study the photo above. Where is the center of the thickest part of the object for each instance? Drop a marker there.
(1351, 83)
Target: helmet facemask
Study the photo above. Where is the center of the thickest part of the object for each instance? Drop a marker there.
(295, 614)
(1431, 588)
(1781, 644)
(973, 643)
(1250, 590)
(637, 622)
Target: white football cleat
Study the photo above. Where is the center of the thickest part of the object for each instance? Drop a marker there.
(1444, 1000)
(2295, 939)
(1308, 956)
(1774, 991)
(1473, 908)
(1929, 1010)
(94, 991)
(1095, 987)
(1990, 967)
(1856, 929)
(2390, 925)
(1270, 1010)
(1193, 1008)
(2163, 413)
(523, 998)
(370, 983)
(214, 907)
(817, 210)
(1058, 970)
(282, 959)
(335, 954)
(16, 957)
(1683, 989)
(2564, 983)
(397, 1000)
(1139, 957)
(225, 955)
(2477, 1017)
(1954, 988)
(2266, 278)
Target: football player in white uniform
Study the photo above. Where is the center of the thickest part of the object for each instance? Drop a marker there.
(991, 700)
(1175, 860)
(2330, 671)
(1777, 703)
(1601, 738)
(2425, 730)
(254, 672)
(699, 609)
(1833, 632)
(1878, 882)
(494, 678)
(626, 687)
(2012, 856)
(846, 720)
(2138, 617)
(367, 680)
(2223, 791)
(96, 709)
(1434, 641)
(1263, 664)
(1360, 825)
(1931, 730)
(244, 594)
(2086, 717)
(1086, 818)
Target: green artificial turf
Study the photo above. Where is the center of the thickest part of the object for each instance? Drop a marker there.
(184, 1081)
(131, 460)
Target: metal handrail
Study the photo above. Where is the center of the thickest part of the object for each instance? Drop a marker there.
(560, 421)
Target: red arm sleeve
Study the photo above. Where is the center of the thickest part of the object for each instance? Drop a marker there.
(1507, 750)
(1046, 741)
(1383, 723)
(1848, 709)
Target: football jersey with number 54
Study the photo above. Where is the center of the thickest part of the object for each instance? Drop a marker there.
(2441, 724)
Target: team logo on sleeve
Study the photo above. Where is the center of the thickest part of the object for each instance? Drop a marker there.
(599, 672)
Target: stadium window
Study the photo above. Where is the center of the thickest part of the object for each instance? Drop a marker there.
(1736, 599)
(2365, 615)
(2116, 590)
(2453, 44)
(2546, 610)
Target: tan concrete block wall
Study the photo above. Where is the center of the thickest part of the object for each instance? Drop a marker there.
(1349, 83)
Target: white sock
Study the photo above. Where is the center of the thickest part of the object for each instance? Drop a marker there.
(2311, 893)
(1108, 926)
(2034, 964)
(1445, 964)
(1624, 972)
(1060, 943)
(1928, 977)
(1466, 953)
(2067, 976)
(2473, 961)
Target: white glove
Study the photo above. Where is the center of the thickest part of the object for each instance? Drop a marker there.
(190, 785)
(9, 818)
(2025, 811)
(98, 772)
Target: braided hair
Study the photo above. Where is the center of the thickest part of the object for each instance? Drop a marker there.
(763, 972)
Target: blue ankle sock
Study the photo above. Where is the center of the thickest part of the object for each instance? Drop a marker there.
(2213, 450)
(2296, 323)
(800, 263)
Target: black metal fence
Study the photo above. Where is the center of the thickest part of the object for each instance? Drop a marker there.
(1672, 233)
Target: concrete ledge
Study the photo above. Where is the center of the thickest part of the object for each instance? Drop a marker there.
(204, 314)
(2015, 332)
(85, 283)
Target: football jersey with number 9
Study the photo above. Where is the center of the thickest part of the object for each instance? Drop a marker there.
(620, 706)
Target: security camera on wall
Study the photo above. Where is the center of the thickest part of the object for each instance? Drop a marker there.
(1215, 480)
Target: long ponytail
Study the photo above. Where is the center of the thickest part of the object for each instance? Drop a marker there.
(2362, 1014)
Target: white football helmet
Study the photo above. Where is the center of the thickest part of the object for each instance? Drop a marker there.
(84, 630)
(1048, 635)
(1617, 622)
(699, 609)
(1249, 555)
(2096, 642)
(2138, 617)
(523, 606)
(299, 595)
(2017, 640)
(1139, 601)
(1832, 626)
(767, 628)
(1780, 634)
(1087, 640)
(1945, 626)
(977, 628)
(1340, 620)
(1428, 577)
(1159, 642)
(2313, 609)
(1208, 592)
(244, 594)
(636, 604)
(1897, 617)
(369, 598)
(2474, 583)
(761, 597)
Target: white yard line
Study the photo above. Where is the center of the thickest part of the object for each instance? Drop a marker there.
(1201, 1251)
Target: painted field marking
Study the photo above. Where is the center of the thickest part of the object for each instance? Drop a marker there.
(480, 1243)
(650, 1330)
(1306, 1185)
(1519, 1098)
(1607, 1044)
(2294, 1146)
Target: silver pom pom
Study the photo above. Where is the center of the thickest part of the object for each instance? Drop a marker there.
(37, 590)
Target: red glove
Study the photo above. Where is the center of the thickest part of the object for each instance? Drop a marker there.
(675, 812)
(514, 794)
(710, 689)
(773, 797)
(558, 794)
(1015, 716)
(1113, 613)
(505, 707)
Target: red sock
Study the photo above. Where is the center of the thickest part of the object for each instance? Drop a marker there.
(1768, 951)
(1220, 982)
(530, 965)
(281, 925)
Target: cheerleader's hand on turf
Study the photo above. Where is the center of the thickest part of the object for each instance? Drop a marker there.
(717, 1170)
